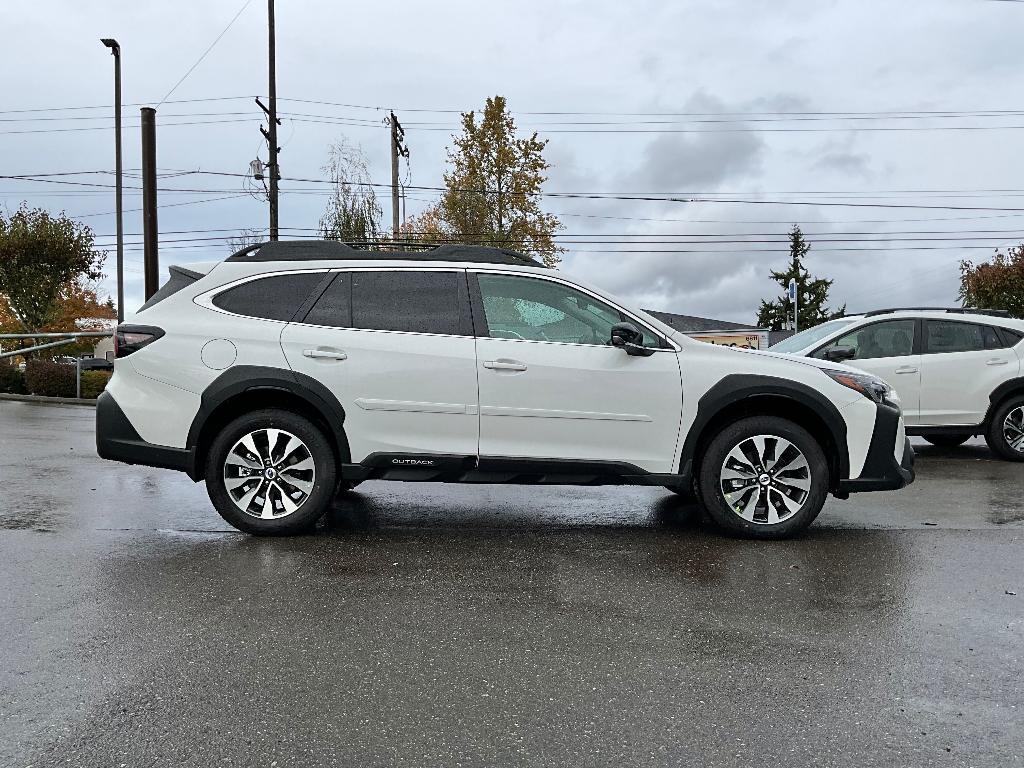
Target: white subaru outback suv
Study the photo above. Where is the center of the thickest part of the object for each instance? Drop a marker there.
(292, 371)
(958, 371)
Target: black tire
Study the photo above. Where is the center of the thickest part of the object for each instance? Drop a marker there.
(810, 500)
(947, 441)
(321, 484)
(996, 435)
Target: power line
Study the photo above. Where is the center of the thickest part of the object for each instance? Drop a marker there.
(200, 59)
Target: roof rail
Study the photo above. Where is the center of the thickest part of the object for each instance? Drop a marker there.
(318, 250)
(951, 310)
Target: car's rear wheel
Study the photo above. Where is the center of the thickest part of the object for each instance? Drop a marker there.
(1005, 433)
(947, 441)
(271, 472)
(763, 477)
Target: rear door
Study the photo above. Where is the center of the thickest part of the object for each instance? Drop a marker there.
(962, 362)
(551, 386)
(890, 350)
(396, 347)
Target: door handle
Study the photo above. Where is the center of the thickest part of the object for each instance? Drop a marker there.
(325, 354)
(906, 369)
(504, 365)
(996, 361)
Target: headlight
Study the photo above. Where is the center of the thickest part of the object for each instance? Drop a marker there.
(870, 386)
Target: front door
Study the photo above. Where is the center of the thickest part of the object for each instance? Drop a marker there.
(551, 386)
(396, 348)
(888, 350)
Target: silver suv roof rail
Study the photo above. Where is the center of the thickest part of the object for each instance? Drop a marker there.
(951, 310)
(314, 250)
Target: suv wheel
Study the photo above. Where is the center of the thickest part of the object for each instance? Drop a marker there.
(1005, 433)
(271, 472)
(764, 477)
(947, 441)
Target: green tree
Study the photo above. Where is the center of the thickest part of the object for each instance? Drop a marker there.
(812, 292)
(493, 188)
(998, 284)
(46, 264)
(353, 214)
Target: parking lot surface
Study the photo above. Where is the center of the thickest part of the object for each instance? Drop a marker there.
(481, 626)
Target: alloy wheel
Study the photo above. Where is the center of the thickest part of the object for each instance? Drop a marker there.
(765, 479)
(1013, 429)
(269, 473)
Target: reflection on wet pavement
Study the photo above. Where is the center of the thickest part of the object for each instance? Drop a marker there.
(443, 625)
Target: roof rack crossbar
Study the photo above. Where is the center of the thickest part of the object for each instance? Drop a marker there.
(951, 310)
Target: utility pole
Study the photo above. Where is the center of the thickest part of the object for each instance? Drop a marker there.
(150, 259)
(398, 149)
(271, 135)
(115, 50)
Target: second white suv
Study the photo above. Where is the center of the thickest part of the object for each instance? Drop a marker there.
(292, 371)
(958, 371)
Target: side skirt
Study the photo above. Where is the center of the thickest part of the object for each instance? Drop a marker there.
(447, 468)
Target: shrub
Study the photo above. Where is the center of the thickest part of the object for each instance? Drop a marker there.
(43, 377)
(93, 382)
(11, 380)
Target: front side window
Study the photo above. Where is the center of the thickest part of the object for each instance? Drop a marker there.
(407, 300)
(277, 297)
(893, 338)
(950, 336)
(531, 309)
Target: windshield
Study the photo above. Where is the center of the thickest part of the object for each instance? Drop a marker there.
(804, 339)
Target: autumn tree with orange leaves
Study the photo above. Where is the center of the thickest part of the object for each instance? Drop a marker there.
(49, 266)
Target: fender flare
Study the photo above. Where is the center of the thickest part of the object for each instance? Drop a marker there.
(737, 387)
(248, 378)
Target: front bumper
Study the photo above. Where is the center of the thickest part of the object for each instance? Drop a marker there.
(118, 440)
(882, 472)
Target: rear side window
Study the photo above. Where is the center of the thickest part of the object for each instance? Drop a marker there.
(1010, 336)
(334, 307)
(948, 336)
(277, 297)
(407, 300)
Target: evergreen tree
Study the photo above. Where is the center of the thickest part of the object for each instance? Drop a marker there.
(812, 292)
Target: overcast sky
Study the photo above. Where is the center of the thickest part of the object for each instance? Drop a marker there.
(696, 99)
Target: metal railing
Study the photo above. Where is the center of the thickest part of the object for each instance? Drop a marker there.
(64, 338)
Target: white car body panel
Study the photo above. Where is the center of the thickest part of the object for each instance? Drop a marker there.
(421, 393)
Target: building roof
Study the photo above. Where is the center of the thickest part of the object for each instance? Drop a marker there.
(692, 324)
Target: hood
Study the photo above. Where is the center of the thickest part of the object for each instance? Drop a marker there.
(813, 362)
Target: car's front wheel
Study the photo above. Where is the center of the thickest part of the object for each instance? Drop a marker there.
(271, 472)
(1005, 434)
(763, 477)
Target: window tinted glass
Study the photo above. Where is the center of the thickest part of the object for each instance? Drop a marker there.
(1011, 337)
(424, 302)
(334, 307)
(948, 336)
(540, 310)
(274, 298)
(894, 338)
(804, 339)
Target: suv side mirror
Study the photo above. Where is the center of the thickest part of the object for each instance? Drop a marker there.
(838, 354)
(628, 337)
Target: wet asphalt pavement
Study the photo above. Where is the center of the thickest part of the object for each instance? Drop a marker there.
(478, 626)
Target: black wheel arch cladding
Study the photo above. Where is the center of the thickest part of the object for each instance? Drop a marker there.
(244, 380)
(735, 390)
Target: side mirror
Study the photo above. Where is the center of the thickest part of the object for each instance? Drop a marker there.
(628, 337)
(839, 354)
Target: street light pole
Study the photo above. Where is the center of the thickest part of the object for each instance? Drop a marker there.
(115, 49)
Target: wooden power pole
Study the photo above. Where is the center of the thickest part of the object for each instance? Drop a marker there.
(398, 149)
(150, 232)
(271, 135)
